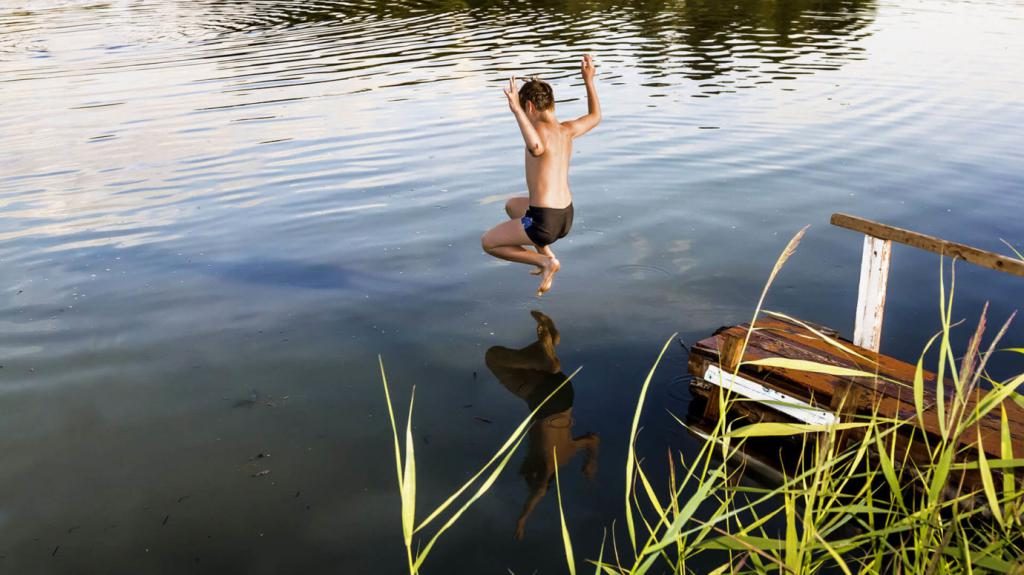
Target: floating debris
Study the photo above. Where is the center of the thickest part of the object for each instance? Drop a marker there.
(261, 473)
(482, 419)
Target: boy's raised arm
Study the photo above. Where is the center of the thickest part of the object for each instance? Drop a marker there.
(584, 124)
(533, 142)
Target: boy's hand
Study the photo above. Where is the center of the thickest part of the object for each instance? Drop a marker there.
(513, 96)
(587, 68)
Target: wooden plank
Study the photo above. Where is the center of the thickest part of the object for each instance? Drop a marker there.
(874, 278)
(791, 406)
(729, 358)
(979, 257)
(772, 339)
(776, 337)
(767, 343)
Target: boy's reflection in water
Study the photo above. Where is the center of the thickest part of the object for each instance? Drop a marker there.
(532, 373)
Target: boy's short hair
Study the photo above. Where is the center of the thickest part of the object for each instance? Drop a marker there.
(539, 92)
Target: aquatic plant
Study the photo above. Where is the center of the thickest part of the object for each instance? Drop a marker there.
(405, 466)
(864, 506)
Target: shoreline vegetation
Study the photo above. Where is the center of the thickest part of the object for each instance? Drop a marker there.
(842, 507)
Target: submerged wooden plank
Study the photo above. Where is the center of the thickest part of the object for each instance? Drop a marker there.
(779, 338)
(979, 257)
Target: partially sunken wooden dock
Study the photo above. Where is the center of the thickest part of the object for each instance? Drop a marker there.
(789, 395)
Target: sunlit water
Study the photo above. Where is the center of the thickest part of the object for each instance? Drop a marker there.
(216, 214)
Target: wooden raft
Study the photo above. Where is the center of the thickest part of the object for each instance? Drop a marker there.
(830, 396)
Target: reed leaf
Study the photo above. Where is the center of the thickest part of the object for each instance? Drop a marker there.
(409, 479)
(774, 429)
(631, 453)
(1006, 452)
(779, 263)
(511, 440)
(989, 485)
(1016, 252)
(566, 540)
(484, 487)
(810, 366)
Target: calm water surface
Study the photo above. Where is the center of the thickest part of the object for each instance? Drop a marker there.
(215, 214)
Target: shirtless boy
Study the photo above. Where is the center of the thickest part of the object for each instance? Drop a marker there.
(546, 215)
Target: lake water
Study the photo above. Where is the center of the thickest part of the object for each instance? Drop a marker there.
(216, 214)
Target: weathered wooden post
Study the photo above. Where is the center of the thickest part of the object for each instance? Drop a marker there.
(874, 279)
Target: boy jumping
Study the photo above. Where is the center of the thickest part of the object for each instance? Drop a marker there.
(546, 215)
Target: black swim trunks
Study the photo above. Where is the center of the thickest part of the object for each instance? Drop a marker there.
(546, 225)
(561, 401)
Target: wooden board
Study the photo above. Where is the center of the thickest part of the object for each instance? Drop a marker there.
(891, 393)
(978, 257)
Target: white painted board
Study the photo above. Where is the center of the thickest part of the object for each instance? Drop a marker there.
(791, 406)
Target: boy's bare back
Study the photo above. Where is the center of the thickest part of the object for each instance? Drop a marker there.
(547, 175)
(546, 215)
(547, 166)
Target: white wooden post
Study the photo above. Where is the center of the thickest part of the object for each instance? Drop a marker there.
(874, 277)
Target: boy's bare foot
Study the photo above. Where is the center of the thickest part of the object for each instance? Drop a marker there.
(548, 272)
(544, 251)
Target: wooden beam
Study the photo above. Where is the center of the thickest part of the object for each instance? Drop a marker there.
(978, 257)
(729, 360)
(874, 278)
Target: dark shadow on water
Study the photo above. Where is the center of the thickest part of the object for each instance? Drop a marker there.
(533, 373)
(295, 274)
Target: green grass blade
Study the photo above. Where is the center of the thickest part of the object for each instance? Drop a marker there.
(513, 438)
(781, 261)
(631, 452)
(600, 555)
(649, 490)
(792, 560)
(773, 429)
(403, 492)
(809, 366)
(945, 314)
(566, 540)
(409, 479)
(391, 417)
(940, 473)
(919, 382)
(836, 557)
(988, 485)
(484, 487)
(1016, 252)
(995, 398)
(889, 472)
(1006, 452)
(704, 489)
